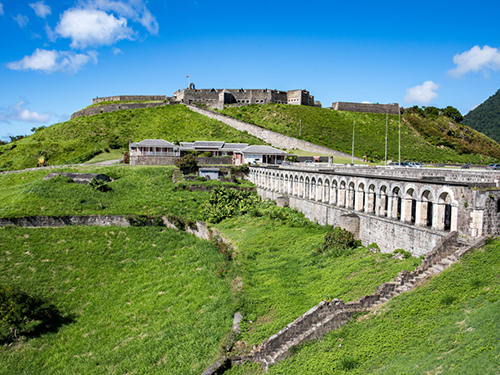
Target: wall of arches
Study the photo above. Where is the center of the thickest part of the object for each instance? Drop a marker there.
(431, 206)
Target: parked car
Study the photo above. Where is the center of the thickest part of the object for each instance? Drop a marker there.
(493, 167)
(308, 162)
(465, 166)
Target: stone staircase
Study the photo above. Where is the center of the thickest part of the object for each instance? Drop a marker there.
(328, 316)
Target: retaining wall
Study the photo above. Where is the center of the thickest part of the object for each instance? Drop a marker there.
(170, 160)
(269, 136)
(97, 110)
(388, 234)
(128, 97)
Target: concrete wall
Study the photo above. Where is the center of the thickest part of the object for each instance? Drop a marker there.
(128, 97)
(115, 107)
(275, 139)
(392, 109)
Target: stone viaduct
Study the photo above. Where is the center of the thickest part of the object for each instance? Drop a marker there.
(397, 208)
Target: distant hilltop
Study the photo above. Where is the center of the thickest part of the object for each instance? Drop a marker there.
(218, 98)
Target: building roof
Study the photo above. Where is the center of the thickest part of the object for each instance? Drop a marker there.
(261, 150)
(153, 143)
(234, 146)
(208, 144)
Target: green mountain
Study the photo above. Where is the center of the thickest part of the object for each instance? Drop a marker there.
(427, 139)
(486, 117)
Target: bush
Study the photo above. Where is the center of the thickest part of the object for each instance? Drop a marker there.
(98, 184)
(224, 203)
(187, 163)
(126, 158)
(18, 310)
(338, 242)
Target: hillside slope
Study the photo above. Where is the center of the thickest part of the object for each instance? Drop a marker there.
(435, 140)
(78, 140)
(486, 117)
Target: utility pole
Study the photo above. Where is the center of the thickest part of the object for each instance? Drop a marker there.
(353, 123)
(300, 129)
(386, 117)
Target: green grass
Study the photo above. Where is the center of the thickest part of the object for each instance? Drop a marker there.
(437, 142)
(81, 139)
(140, 300)
(111, 155)
(281, 276)
(449, 325)
(136, 190)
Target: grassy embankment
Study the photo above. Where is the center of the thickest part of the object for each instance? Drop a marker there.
(426, 140)
(448, 325)
(133, 300)
(281, 274)
(80, 139)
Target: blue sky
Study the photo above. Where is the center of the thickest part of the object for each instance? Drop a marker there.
(58, 55)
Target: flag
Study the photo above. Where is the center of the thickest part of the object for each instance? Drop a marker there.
(187, 77)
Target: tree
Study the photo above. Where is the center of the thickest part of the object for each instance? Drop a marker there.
(188, 162)
(431, 112)
(452, 113)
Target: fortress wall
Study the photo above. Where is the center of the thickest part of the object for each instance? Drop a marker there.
(128, 97)
(114, 107)
(273, 138)
(388, 234)
(392, 109)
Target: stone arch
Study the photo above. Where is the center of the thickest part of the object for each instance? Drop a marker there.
(312, 189)
(383, 208)
(445, 213)
(319, 190)
(281, 187)
(409, 211)
(351, 195)
(371, 203)
(334, 193)
(295, 186)
(342, 194)
(396, 203)
(302, 187)
(326, 191)
(360, 197)
(425, 211)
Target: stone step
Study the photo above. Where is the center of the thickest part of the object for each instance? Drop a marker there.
(446, 261)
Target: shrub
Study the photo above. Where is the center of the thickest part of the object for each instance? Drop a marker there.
(338, 242)
(18, 310)
(98, 184)
(187, 163)
(405, 254)
(126, 158)
(224, 203)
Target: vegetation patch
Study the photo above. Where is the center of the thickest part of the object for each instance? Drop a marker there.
(141, 300)
(427, 139)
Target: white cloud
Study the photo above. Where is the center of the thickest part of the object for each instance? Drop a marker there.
(17, 112)
(366, 102)
(41, 10)
(1, 9)
(21, 20)
(132, 9)
(422, 94)
(476, 59)
(117, 51)
(54, 61)
(92, 28)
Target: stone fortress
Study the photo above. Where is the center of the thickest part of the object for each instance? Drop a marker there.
(218, 98)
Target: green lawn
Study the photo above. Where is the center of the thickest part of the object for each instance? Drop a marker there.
(282, 276)
(136, 190)
(137, 300)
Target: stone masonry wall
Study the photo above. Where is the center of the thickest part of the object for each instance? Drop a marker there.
(275, 139)
(128, 97)
(392, 109)
(115, 107)
(388, 234)
(170, 160)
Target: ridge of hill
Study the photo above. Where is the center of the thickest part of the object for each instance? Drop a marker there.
(486, 117)
(433, 139)
(80, 139)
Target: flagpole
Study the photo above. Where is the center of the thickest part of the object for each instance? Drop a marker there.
(386, 116)
(353, 123)
(399, 120)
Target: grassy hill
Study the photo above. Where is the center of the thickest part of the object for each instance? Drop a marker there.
(422, 139)
(80, 139)
(486, 117)
(448, 325)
